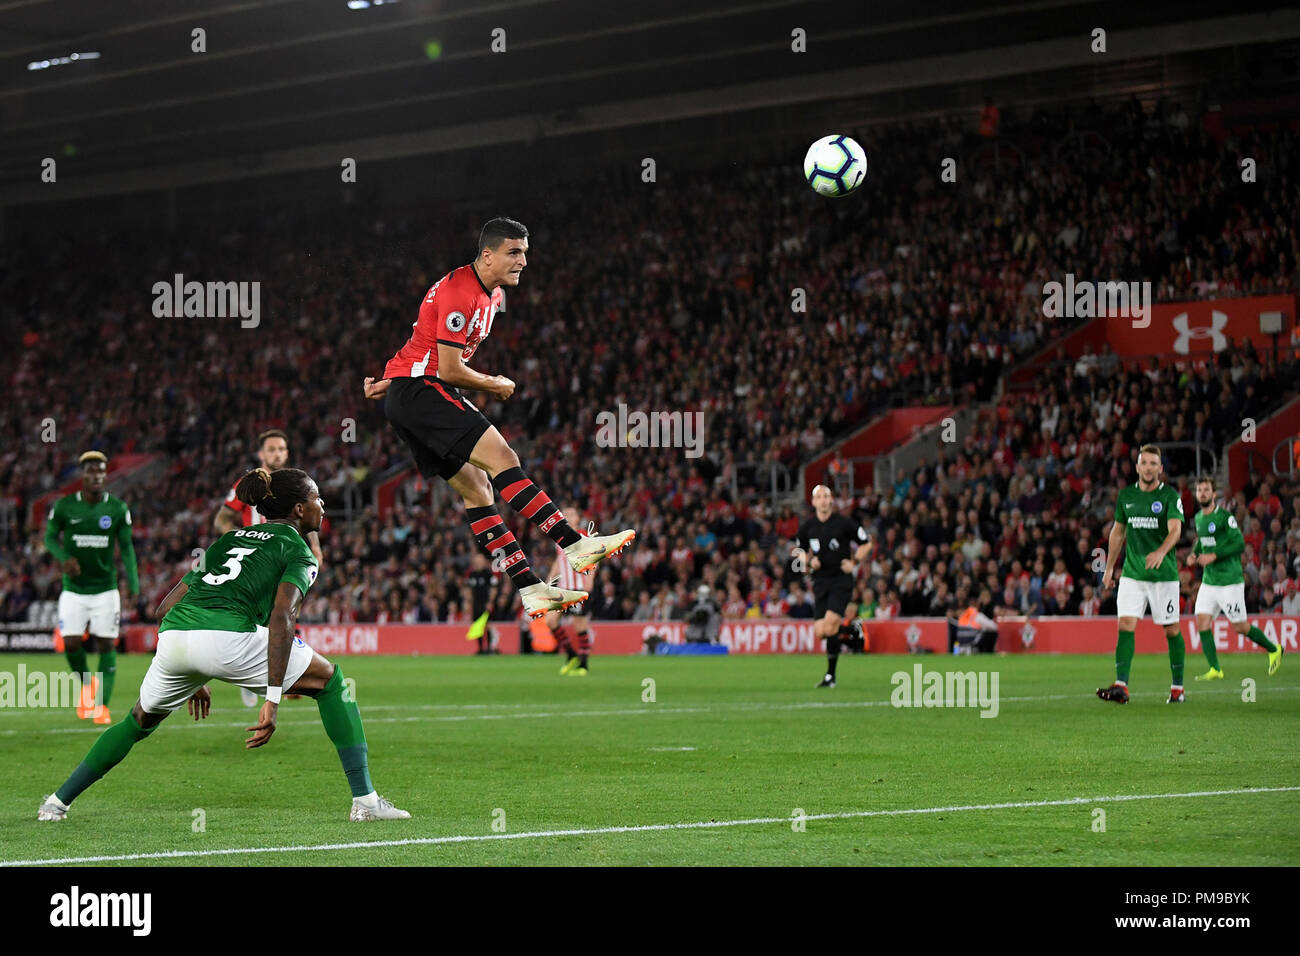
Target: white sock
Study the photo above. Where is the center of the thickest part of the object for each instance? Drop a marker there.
(54, 799)
(370, 801)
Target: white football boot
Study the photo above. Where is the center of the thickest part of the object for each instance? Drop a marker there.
(540, 598)
(588, 551)
(52, 809)
(375, 807)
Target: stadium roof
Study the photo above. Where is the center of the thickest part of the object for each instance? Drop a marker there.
(287, 83)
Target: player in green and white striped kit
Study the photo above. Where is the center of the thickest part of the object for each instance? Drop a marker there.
(209, 630)
(83, 532)
(1148, 524)
(1218, 548)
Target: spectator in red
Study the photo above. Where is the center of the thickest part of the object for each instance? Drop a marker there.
(1271, 502)
(1057, 589)
(990, 119)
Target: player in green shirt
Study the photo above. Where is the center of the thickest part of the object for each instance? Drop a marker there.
(1148, 524)
(81, 533)
(1218, 549)
(209, 630)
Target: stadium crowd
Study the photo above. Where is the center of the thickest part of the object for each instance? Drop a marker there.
(688, 297)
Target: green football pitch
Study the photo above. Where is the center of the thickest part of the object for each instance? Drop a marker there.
(671, 760)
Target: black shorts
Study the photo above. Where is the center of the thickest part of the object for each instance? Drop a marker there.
(832, 594)
(438, 424)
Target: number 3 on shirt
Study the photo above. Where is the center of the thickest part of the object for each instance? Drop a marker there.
(233, 558)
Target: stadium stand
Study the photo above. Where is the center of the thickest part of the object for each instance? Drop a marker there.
(618, 293)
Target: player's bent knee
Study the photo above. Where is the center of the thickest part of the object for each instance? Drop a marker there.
(473, 486)
(315, 677)
(146, 720)
(492, 454)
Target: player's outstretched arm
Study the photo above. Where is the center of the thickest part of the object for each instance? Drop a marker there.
(226, 519)
(171, 600)
(288, 601)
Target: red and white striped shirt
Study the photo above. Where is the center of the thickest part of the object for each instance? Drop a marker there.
(564, 575)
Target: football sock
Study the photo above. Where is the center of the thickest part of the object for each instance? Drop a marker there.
(1177, 657)
(1211, 652)
(109, 750)
(532, 503)
(342, 720)
(562, 638)
(76, 658)
(1123, 656)
(584, 648)
(492, 535)
(832, 655)
(108, 670)
(1256, 635)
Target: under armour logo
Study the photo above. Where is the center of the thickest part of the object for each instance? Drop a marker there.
(1213, 331)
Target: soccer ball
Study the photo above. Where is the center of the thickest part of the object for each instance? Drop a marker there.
(835, 166)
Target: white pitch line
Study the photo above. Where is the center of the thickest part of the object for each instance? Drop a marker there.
(643, 710)
(645, 828)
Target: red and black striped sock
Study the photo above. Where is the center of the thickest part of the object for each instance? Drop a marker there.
(584, 647)
(534, 504)
(563, 639)
(492, 535)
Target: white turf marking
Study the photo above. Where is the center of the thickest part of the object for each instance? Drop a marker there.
(670, 749)
(312, 718)
(646, 828)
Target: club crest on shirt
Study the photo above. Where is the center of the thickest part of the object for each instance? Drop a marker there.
(1210, 527)
(455, 321)
(1156, 507)
(105, 522)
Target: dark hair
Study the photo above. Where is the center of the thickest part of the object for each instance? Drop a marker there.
(499, 229)
(271, 433)
(1208, 479)
(273, 493)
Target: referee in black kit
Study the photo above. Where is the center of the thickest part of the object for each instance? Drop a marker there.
(827, 541)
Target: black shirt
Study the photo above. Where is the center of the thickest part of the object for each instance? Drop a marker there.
(831, 541)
